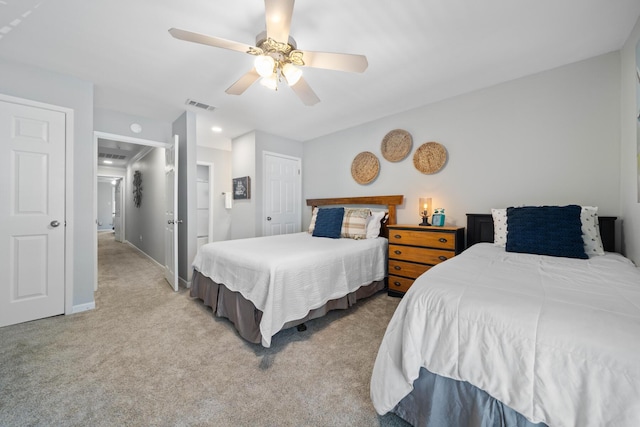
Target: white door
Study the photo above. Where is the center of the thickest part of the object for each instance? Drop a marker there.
(282, 194)
(171, 215)
(32, 213)
(117, 211)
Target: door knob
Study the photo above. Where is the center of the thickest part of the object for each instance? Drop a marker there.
(268, 218)
(177, 221)
(169, 221)
(54, 223)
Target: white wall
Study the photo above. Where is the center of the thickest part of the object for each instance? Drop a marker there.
(243, 218)
(549, 138)
(247, 159)
(144, 225)
(118, 123)
(221, 160)
(185, 127)
(44, 86)
(630, 149)
(273, 144)
(105, 206)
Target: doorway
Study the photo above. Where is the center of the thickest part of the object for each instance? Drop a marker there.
(105, 148)
(204, 197)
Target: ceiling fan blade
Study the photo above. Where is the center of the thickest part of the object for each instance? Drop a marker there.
(278, 15)
(335, 61)
(243, 83)
(305, 93)
(209, 40)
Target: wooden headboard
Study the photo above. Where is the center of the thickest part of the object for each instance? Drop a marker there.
(389, 201)
(480, 229)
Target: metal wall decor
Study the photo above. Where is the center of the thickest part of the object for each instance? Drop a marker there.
(137, 188)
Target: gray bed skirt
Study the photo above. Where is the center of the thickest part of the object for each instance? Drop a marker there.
(246, 317)
(437, 401)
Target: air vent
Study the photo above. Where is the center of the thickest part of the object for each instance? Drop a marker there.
(112, 156)
(201, 105)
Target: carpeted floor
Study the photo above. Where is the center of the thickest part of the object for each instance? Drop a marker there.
(147, 356)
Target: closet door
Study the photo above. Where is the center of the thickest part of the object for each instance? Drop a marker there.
(32, 212)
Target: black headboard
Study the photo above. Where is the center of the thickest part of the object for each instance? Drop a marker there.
(480, 229)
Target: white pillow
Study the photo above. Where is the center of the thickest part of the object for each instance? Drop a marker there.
(312, 224)
(374, 221)
(591, 231)
(499, 227)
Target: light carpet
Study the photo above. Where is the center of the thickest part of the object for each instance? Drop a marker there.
(148, 356)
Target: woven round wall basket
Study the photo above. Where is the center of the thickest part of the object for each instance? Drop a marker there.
(430, 157)
(396, 145)
(365, 167)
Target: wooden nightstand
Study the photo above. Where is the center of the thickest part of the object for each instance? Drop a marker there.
(415, 249)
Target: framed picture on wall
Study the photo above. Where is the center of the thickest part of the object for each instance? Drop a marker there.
(241, 188)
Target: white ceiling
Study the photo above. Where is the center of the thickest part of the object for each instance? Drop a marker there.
(419, 51)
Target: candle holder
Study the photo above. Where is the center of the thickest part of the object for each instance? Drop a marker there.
(424, 207)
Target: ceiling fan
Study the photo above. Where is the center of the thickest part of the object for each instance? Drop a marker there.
(277, 56)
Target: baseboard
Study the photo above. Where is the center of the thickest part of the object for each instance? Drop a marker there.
(184, 282)
(83, 307)
(144, 253)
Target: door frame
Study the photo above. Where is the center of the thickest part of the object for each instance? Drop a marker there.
(115, 137)
(265, 174)
(211, 166)
(68, 184)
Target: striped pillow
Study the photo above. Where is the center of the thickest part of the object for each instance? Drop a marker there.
(354, 223)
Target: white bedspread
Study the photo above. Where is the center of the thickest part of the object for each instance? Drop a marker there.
(556, 339)
(288, 275)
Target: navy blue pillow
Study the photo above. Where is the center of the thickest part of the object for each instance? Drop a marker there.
(329, 223)
(546, 230)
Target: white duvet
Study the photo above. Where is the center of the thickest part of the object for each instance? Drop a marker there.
(288, 275)
(556, 339)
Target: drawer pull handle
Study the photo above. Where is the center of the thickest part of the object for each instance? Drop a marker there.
(397, 252)
(397, 283)
(442, 258)
(397, 236)
(397, 267)
(443, 240)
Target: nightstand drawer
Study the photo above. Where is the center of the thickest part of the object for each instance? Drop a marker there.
(399, 284)
(407, 269)
(433, 239)
(422, 255)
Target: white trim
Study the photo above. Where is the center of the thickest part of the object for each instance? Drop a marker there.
(83, 307)
(184, 282)
(130, 139)
(145, 254)
(211, 196)
(69, 229)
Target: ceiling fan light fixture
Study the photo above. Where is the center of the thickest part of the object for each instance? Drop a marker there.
(291, 73)
(264, 65)
(270, 82)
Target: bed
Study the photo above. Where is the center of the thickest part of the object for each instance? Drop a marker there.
(267, 284)
(500, 338)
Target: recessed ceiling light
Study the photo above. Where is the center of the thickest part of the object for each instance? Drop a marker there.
(216, 129)
(136, 128)
(107, 162)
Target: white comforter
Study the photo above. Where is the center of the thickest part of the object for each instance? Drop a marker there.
(288, 275)
(556, 339)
